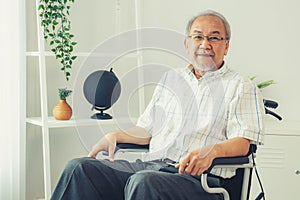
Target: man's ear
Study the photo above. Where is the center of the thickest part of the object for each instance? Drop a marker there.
(185, 43)
(226, 48)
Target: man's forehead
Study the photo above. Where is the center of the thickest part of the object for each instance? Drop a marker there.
(208, 23)
(196, 31)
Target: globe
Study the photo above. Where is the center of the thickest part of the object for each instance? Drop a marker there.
(102, 89)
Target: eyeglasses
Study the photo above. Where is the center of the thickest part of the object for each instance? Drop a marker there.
(210, 38)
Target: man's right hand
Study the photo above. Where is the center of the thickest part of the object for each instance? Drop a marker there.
(135, 135)
(107, 143)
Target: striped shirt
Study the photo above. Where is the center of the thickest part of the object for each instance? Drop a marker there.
(186, 113)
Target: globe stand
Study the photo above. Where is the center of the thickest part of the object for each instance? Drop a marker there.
(102, 89)
(101, 115)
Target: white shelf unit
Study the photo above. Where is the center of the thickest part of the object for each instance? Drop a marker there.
(45, 121)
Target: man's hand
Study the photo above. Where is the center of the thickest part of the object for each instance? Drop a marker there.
(197, 161)
(107, 143)
(135, 135)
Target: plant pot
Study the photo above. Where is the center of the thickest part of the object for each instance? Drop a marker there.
(62, 110)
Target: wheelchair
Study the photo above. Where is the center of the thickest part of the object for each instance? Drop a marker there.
(235, 188)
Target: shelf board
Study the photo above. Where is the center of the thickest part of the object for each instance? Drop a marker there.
(79, 54)
(53, 123)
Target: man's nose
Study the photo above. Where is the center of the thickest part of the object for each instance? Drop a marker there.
(205, 44)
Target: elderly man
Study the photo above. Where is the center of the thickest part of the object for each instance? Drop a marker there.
(196, 114)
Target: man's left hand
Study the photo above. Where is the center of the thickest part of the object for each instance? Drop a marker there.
(197, 161)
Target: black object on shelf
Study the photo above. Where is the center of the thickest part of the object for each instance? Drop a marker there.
(102, 89)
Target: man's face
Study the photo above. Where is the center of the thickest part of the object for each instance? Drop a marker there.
(206, 44)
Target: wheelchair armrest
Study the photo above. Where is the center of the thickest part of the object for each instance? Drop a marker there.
(225, 162)
(129, 147)
(228, 161)
(233, 161)
(132, 146)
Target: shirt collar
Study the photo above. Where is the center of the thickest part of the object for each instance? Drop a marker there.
(216, 73)
(209, 74)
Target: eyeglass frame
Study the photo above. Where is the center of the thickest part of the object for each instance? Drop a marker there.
(208, 38)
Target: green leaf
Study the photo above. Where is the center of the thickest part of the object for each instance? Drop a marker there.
(265, 84)
(60, 34)
(59, 15)
(73, 43)
(73, 57)
(41, 7)
(63, 92)
(66, 29)
(252, 78)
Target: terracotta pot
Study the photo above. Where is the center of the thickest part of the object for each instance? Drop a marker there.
(62, 110)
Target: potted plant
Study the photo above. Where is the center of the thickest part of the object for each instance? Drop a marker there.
(56, 24)
(62, 110)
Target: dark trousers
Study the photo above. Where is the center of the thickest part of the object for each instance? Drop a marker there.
(89, 179)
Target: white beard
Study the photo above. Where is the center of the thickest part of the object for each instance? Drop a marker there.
(204, 64)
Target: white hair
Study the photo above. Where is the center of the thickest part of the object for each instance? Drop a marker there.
(213, 13)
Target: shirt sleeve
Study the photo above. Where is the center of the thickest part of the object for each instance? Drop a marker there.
(146, 120)
(245, 115)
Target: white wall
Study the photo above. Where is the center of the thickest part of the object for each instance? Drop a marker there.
(264, 43)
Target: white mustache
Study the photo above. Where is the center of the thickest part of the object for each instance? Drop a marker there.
(204, 53)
